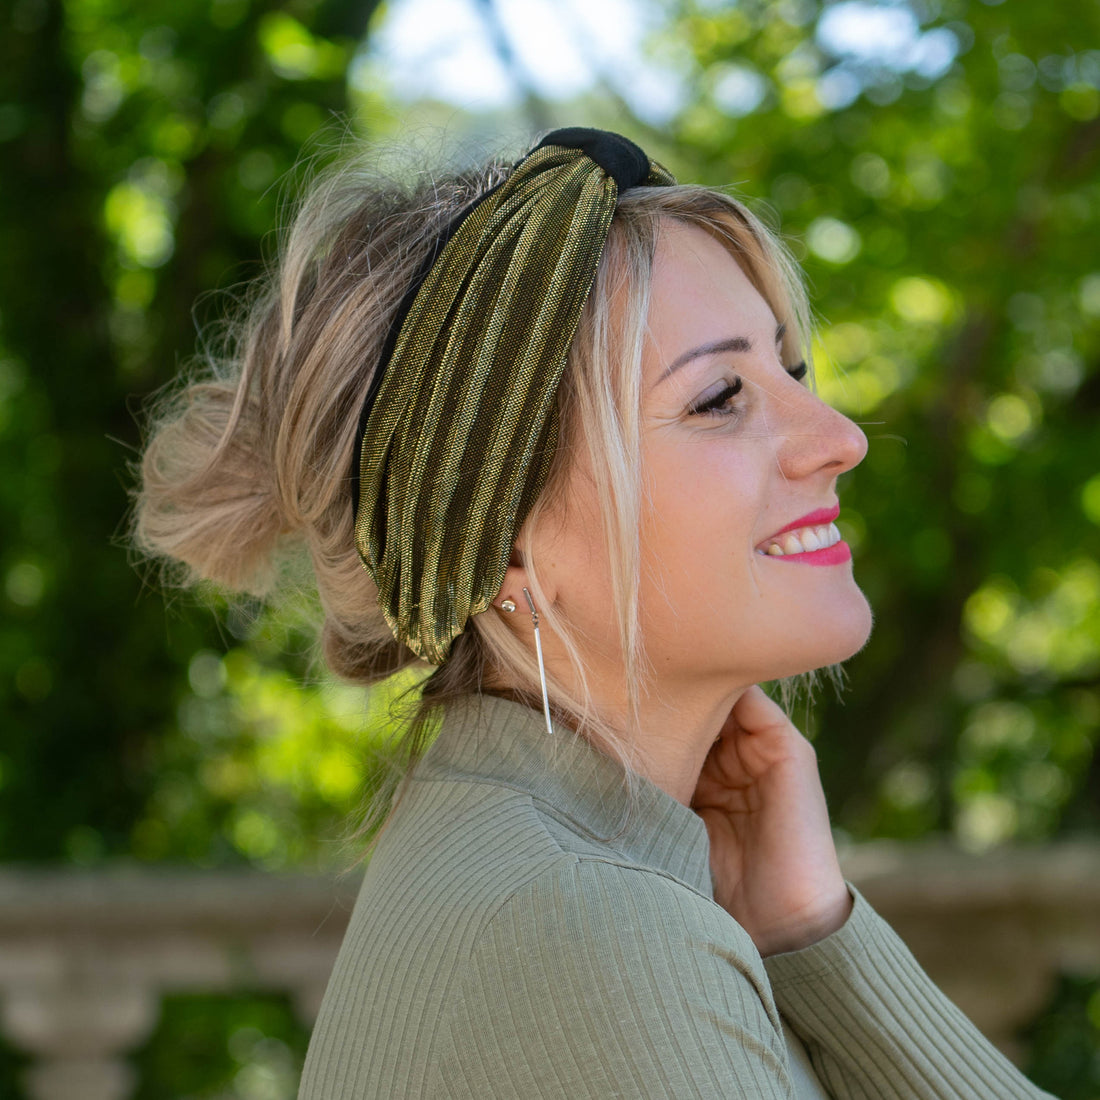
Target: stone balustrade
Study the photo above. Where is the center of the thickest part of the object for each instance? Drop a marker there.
(85, 956)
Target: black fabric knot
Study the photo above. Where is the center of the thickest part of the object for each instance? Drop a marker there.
(619, 157)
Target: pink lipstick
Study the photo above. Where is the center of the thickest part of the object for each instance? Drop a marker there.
(813, 539)
(818, 518)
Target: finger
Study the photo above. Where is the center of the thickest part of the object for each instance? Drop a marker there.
(754, 712)
(725, 781)
(757, 735)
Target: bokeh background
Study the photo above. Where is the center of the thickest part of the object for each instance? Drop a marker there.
(935, 165)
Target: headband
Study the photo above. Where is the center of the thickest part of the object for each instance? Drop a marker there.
(459, 424)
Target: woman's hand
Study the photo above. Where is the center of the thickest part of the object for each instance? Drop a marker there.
(771, 849)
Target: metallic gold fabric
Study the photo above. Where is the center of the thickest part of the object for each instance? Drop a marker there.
(462, 431)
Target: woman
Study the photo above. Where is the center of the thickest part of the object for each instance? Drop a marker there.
(591, 485)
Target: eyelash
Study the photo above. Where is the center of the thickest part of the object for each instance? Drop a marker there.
(716, 405)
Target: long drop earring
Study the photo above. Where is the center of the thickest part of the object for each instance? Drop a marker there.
(542, 667)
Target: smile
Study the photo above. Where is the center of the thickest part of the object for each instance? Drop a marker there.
(813, 540)
(804, 540)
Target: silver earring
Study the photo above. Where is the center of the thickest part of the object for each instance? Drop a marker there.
(508, 605)
(542, 667)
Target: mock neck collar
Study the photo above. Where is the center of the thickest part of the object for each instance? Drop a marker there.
(490, 739)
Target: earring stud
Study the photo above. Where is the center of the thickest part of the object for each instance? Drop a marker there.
(508, 605)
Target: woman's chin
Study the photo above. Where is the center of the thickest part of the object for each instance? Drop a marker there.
(858, 629)
(832, 643)
(852, 631)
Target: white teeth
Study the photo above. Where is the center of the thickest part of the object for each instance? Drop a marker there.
(792, 544)
(803, 541)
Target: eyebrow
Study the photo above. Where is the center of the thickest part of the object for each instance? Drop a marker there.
(739, 344)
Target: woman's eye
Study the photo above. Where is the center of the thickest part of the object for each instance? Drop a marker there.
(719, 402)
(798, 373)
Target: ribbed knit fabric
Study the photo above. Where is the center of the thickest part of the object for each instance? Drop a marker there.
(528, 928)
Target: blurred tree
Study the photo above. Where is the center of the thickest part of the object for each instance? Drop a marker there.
(141, 150)
(223, 1048)
(935, 165)
(1064, 1041)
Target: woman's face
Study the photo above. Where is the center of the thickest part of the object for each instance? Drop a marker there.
(735, 451)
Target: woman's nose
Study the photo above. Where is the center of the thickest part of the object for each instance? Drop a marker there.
(818, 438)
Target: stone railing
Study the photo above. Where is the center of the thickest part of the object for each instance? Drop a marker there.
(85, 957)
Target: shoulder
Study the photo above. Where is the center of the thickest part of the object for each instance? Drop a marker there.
(598, 978)
(584, 915)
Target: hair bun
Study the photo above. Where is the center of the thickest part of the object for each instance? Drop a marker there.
(207, 498)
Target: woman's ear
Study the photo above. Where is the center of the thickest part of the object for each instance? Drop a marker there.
(516, 579)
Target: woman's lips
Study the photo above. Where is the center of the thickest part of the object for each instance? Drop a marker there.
(836, 554)
(814, 539)
(817, 518)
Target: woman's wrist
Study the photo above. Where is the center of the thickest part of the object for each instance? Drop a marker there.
(808, 927)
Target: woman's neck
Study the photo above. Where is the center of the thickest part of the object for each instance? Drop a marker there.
(674, 733)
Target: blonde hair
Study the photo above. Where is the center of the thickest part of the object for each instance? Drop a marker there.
(248, 460)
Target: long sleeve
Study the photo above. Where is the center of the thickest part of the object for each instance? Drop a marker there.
(877, 1028)
(597, 980)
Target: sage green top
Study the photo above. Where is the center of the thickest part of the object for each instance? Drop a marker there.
(526, 928)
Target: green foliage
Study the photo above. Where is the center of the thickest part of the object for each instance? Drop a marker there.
(262, 769)
(147, 144)
(223, 1048)
(960, 324)
(1064, 1044)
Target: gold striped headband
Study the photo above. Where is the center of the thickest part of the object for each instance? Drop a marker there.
(459, 423)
